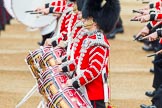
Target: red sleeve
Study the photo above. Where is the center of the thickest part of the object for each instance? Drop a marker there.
(59, 6)
(98, 55)
(160, 41)
(155, 23)
(158, 16)
(158, 5)
(69, 65)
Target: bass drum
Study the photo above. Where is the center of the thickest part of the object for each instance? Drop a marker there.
(20, 7)
(7, 5)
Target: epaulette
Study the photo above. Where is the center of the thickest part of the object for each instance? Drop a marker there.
(78, 23)
(97, 39)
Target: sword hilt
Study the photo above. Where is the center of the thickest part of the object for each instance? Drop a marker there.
(145, 2)
(151, 55)
(138, 38)
(134, 20)
(136, 11)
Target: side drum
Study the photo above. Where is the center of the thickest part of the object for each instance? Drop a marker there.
(69, 98)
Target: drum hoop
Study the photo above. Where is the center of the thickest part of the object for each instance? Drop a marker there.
(28, 59)
(47, 54)
(36, 52)
(10, 13)
(53, 79)
(47, 72)
(44, 74)
(62, 93)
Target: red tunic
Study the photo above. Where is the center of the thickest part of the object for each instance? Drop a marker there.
(66, 24)
(59, 5)
(76, 44)
(156, 4)
(158, 17)
(92, 60)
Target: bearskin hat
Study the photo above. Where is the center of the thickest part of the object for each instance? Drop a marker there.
(72, 0)
(80, 4)
(104, 12)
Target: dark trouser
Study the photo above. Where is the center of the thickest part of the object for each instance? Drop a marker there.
(98, 104)
(155, 43)
(157, 81)
(157, 99)
(44, 37)
(119, 23)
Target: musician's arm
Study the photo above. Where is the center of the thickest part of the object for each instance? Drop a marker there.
(69, 65)
(97, 61)
(156, 17)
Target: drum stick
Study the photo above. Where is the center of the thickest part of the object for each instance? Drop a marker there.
(134, 20)
(29, 11)
(40, 13)
(151, 55)
(35, 13)
(138, 38)
(136, 11)
(145, 2)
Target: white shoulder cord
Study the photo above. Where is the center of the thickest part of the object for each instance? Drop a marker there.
(57, 33)
(105, 83)
(78, 71)
(69, 34)
(76, 40)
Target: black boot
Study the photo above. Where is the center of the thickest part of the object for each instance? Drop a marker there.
(149, 106)
(148, 47)
(118, 29)
(150, 93)
(152, 70)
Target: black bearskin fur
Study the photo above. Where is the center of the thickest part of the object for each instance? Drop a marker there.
(80, 4)
(106, 16)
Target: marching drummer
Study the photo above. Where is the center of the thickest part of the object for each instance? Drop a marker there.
(64, 11)
(56, 8)
(92, 64)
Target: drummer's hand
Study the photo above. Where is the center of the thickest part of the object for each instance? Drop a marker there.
(69, 82)
(58, 68)
(152, 36)
(45, 11)
(62, 44)
(58, 61)
(143, 32)
(145, 8)
(159, 52)
(39, 9)
(145, 12)
(137, 16)
(48, 42)
(143, 18)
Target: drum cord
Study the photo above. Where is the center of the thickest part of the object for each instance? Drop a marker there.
(72, 75)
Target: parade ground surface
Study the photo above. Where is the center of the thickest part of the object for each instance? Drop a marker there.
(129, 66)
